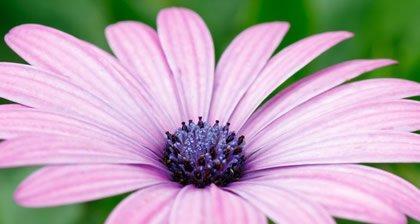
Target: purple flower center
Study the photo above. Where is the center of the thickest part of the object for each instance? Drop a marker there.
(201, 154)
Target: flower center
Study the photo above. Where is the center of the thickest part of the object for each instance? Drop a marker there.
(201, 154)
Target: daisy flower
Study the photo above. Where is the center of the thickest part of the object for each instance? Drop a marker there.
(192, 139)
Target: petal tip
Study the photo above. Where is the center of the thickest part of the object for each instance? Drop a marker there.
(339, 35)
(24, 28)
(280, 25)
(130, 24)
(346, 34)
(167, 12)
(386, 62)
(378, 62)
(21, 30)
(111, 28)
(284, 24)
(123, 23)
(20, 199)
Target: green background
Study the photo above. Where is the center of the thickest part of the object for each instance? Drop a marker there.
(383, 28)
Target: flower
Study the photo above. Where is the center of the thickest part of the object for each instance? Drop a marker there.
(190, 138)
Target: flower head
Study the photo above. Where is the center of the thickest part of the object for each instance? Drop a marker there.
(192, 139)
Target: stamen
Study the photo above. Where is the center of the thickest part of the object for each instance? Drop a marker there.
(201, 154)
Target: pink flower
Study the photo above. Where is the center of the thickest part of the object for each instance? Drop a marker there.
(99, 124)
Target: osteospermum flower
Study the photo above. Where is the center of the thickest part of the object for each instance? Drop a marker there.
(189, 137)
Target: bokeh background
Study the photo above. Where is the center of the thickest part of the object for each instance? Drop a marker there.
(383, 28)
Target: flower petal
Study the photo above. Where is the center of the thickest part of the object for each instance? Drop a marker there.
(340, 97)
(212, 205)
(341, 200)
(149, 205)
(233, 209)
(387, 187)
(17, 120)
(42, 150)
(307, 88)
(281, 67)
(188, 47)
(91, 69)
(353, 147)
(137, 47)
(399, 115)
(61, 185)
(240, 65)
(39, 89)
(281, 205)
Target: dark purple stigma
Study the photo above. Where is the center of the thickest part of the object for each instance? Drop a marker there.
(201, 154)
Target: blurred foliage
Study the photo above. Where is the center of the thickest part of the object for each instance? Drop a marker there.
(384, 29)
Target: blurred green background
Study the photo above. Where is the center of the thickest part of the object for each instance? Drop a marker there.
(383, 28)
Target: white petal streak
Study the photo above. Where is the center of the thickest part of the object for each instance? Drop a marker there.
(138, 48)
(188, 47)
(332, 100)
(398, 115)
(341, 200)
(42, 90)
(351, 147)
(17, 120)
(212, 205)
(307, 88)
(281, 67)
(150, 205)
(42, 150)
(61, 185)
(281, 205)
(240, 65)
(387, 187)
(82, 64)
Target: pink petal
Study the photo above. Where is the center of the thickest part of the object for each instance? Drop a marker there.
(307, 88)
(352, 147)
(149, 205)
(399, 115)
(61, 185)
(188, 47)
(212, 205)
(137, 47)
(280, 68)
(67, 56)
(343, 96)
(240, 65)
(39, 89)
(341, 200)
(232, 209)
(84, 65)
(387, 187)
(281, 205)
(41, 150)
(17, 120)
